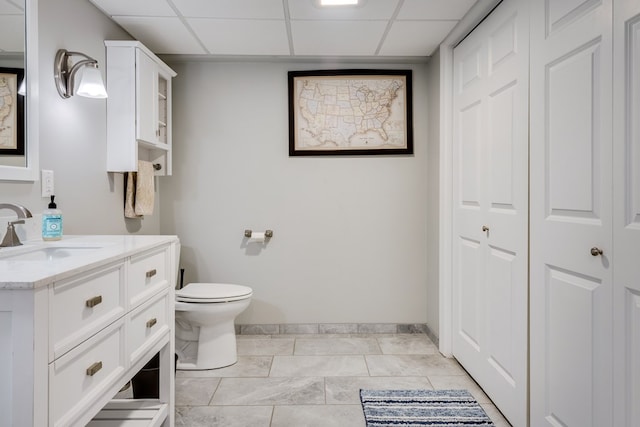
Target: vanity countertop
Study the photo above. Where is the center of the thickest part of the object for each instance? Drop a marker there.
(37, 263)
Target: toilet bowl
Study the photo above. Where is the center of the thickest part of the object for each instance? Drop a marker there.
(205, 330)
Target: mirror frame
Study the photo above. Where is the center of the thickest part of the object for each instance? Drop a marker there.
(30, 172)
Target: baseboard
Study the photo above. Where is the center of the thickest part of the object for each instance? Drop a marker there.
(332, 328)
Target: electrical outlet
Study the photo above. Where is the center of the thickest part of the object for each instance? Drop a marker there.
(47, 183)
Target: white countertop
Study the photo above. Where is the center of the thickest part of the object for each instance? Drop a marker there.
(16, 273)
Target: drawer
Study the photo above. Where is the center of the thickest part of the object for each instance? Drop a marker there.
(82, 306)
(79, 377)
(147, 275)
(146, 325)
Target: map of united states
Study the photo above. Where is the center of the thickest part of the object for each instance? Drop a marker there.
(350, 113)
(7, 114)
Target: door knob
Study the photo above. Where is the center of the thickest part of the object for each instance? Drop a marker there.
(596, 251)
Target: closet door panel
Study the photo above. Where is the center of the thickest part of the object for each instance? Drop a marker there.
(469, 309)
(490, 178)
(502, 274)
(573, 139)
(627, 212)
(571, 281)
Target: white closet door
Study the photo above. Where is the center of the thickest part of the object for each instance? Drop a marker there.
(490, 185)
(571, 286)
(626, 237)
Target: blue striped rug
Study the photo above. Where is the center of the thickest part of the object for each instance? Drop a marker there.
(441, 408)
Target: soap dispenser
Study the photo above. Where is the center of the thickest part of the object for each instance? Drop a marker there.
(52, 222)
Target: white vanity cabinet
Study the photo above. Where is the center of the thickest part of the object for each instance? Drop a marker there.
(74, 331)
(138, 108)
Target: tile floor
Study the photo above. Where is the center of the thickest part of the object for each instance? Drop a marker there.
(313, 380)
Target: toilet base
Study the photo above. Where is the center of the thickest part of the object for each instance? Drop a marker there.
(215, 348)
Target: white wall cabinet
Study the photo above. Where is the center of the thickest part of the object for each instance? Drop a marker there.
(138, 108)
(72, 335)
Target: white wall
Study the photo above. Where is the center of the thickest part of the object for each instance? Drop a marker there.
(73, 131)
(433, 189)
(350, 233)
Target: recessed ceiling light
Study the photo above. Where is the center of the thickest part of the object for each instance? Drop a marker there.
(338, 2)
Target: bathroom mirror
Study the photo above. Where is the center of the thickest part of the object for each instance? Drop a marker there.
(19, 50)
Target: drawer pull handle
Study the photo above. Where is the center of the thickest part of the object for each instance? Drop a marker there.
(151, 273)
(151, 322)
(92, 302)
(93, 369)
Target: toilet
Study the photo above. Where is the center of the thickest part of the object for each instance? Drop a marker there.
(205, 330)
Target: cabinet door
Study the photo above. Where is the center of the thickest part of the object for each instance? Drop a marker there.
(146, 98)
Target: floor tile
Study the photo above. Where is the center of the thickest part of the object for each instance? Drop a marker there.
(299, 379)
(407, 344)
(270, 391)
(495, 415)
(411, 365)
(318, 416)
(261, 347)
(247, 366)
(318, 366)
(336, 346)
(195, 391)
(346, 390)
(223, 416)
(455, 382)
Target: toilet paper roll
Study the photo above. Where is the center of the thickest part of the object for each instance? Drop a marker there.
(257, 237)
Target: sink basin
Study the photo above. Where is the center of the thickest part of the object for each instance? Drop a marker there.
(51, 253)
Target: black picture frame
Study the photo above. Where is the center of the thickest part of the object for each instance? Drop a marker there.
(381, 98)
(13, 77)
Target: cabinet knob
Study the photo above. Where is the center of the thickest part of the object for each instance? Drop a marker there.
(93, 369)
(485, 228)
(151, 273)
(596, 251)
(92, 302)
(151, 322)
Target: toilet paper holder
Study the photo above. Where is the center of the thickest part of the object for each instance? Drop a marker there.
(267, 233)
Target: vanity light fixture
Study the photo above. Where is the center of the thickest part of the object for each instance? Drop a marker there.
(338, 2)
(22, 90)
(91, 84)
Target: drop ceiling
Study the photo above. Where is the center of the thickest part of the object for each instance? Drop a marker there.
(11, 26)
(288, 28)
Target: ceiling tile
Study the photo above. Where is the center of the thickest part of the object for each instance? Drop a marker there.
(10, 8)
(134, 7)
(236, 9)
(241, 37)
(371, 9)
(337, 38)
(434, 9)
(12, 33)
(415, 38)
(163, 35)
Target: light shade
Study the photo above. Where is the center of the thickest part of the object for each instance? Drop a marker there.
(22, 90)
(91, 84)
(338, 2)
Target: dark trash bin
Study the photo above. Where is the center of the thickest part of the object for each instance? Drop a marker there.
(146, 383)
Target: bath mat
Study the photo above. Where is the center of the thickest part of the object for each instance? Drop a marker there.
(441, 408)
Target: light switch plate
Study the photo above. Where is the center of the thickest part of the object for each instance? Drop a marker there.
(47, 183)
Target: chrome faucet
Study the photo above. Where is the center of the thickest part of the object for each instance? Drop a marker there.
(11, 238)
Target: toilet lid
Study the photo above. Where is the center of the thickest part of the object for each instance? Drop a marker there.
(212, 292)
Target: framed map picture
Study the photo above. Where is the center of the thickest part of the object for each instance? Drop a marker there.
(11, 112)
(350, 112)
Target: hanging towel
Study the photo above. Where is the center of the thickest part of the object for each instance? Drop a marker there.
(144, 188)
(130, 195)
(139, 191)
